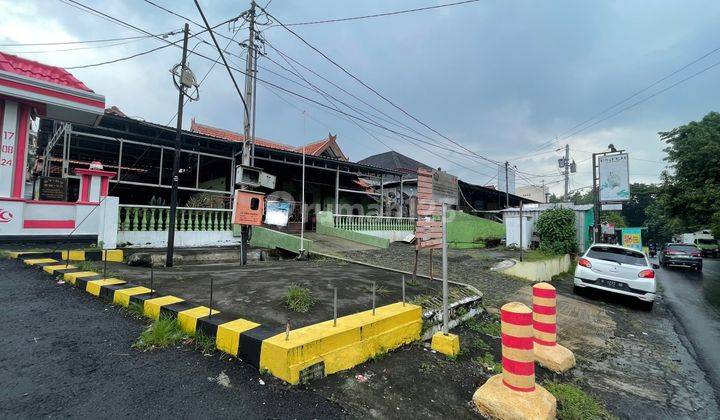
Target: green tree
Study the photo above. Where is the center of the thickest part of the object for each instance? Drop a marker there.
(690, 197)
(557, 231)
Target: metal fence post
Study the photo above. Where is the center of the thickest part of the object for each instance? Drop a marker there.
(287, 330)
(104, 264)
(373, 298)
(211, 291)
(444, 270)
(403, 290)
(335, 309)
(152, 278)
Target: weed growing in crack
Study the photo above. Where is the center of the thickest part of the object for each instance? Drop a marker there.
(163, 332)
(574, 403)
(487, 361)
(298, 298)
(204, 343)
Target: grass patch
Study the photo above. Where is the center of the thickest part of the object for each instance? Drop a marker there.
(379, 290)
(487, 362)
(427, 368)
(136, 310)
(420, 300)
(298, 298)
(491, 328)
(162, 333)
(480, 345)
(204, 343)
(538, 255)
(4, 255)
(574, 403)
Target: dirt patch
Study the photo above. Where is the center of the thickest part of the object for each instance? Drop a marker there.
(469, 266)
(258, 290)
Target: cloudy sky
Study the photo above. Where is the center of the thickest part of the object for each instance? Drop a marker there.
(502, 78)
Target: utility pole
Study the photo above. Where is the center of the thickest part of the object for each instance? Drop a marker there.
(248, 120)
(176, 158)
(596, 201)
(567, 171)
(507, 186)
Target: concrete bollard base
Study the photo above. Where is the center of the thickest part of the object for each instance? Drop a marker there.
(446, 344)
(555, 358)
(497, 401)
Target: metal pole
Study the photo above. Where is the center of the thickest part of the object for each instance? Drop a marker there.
(507, 186)
(403, 290)
(287, 330)
(67, 255)
(335, 308)
(444, 270)
(211, 293)
(382, 196)
(521, 230)
(402, 201)
(248, 130)
(302, 205)
(567, 170)
(152, 279)
(337, 190)
(176, 159)
(104, 264)
(373, 298)
(596, 202)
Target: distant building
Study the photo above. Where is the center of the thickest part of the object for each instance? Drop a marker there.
(533, 192)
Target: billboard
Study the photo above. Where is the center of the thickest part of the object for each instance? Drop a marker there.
(510, 181)
(614, 173)
(632, 238)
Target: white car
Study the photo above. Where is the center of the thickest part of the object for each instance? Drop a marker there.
(617, 269)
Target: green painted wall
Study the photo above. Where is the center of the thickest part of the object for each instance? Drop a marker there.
(268, 238)
(466, 231)
(326, 226)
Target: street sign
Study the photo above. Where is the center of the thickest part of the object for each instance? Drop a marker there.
(435, 188)
(614, 171)
(611, 207)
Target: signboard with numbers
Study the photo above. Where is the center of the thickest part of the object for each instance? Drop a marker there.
(7, 149)
(434, 189)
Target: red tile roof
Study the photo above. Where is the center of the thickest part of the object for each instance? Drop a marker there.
(314, 148)
(33, 69)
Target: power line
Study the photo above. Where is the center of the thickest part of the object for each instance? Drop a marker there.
(347, 72)
(376, 15)
(633, 95)
(92, 41)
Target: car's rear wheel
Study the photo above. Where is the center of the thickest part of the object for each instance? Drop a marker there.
(577, 290)
(646, 306)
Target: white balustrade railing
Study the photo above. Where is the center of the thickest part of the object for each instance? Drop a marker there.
(366, 223)
(138, 218)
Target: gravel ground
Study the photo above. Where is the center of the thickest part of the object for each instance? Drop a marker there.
(65, 353)
(470, 266)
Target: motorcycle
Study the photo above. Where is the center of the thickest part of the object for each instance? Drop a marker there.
(652, 250)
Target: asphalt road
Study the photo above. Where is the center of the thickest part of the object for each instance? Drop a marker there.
(694, 298)
(65, 353)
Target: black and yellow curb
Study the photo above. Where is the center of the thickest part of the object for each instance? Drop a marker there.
(303, 354)
(112, 255)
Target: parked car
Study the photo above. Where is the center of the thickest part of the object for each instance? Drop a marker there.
(617, 269)
(687, 255)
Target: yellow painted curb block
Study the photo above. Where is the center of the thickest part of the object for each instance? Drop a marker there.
(72, 277)
(74, 255)
(122, 296)
(355, 339)
(93, 286)
(446, 344)
(151, 308)
(188, 318)
(227, 338)
(52, 268)
(114, 255)
(36, 261)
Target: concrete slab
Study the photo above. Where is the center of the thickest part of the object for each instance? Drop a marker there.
(256, 291)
